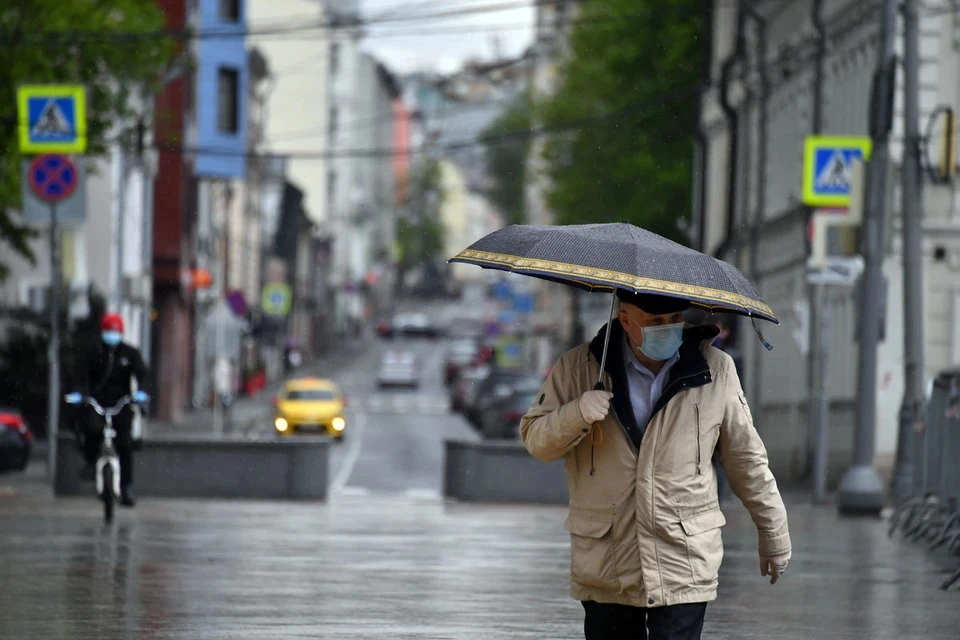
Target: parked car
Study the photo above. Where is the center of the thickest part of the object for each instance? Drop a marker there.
(384, 328)
(463, 391)
(399, 369)
(495, 388)
(414, 325)
(460, 353)
(501, 420)
(310, 405)
(16, 441)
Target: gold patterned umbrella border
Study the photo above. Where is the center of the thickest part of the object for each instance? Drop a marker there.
(616, 280)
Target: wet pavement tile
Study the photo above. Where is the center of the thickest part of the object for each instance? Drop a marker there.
(386, 567)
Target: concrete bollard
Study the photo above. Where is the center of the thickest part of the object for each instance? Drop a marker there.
(202, 467)
(501, 471)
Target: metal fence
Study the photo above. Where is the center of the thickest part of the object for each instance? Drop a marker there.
(932, 514)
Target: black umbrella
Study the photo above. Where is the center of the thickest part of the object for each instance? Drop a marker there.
(607, 257)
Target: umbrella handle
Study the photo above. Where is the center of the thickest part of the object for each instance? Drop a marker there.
(606, 342)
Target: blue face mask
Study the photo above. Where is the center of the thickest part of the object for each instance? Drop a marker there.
(661, 342)
(111, 338)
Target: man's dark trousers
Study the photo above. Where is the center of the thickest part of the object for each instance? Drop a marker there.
(622, 622)
(123, 442)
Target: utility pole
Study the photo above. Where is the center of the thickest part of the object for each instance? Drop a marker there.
(818, 403)
(911, 407)
(861, 490)
(53, 349)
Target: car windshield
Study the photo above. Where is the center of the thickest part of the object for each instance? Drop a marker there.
(310, 394)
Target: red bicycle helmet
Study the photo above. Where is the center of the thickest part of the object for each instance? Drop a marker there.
(112, 322)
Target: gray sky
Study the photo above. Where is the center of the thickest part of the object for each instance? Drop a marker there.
(442, 45)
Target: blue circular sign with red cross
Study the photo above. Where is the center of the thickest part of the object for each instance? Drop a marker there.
(53, 177)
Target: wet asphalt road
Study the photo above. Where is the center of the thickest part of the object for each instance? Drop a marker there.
(386, 558)
(376, 567)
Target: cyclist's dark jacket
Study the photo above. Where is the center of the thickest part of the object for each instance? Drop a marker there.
(107, 371)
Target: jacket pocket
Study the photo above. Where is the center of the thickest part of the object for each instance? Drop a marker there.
(591, 549)
(704, 545)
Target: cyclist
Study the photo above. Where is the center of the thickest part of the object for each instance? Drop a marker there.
(106, 375)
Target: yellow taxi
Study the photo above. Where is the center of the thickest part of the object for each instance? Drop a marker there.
(310, 405)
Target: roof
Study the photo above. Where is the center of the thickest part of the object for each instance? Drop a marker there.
(311, 383)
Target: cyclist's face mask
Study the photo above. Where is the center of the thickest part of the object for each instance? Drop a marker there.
(111, 338)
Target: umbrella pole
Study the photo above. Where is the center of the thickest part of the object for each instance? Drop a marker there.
(606, 341)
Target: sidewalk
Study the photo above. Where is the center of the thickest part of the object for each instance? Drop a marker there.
(400, 568)
(249, 414)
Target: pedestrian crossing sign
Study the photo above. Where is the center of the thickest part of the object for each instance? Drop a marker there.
(828, 168)
(52, 118)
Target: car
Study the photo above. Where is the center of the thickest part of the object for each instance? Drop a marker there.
(460, 353)
(16, 441)
(414, 325)
(384, 328)
(502, 419)
(311, 405)
(462, 391)
(495, 388)
(399, 369)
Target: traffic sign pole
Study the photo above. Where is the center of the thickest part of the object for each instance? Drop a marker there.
(53, 178)
(53, 349)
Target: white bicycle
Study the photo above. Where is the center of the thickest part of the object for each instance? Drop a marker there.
(108, 464)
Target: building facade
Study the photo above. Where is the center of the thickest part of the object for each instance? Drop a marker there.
(778, 72)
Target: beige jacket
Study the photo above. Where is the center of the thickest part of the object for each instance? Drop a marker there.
(645, 524)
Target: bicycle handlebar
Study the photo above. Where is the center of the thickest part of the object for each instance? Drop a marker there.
(112, 411)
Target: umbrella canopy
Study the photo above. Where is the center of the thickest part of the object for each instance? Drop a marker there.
(605, 257)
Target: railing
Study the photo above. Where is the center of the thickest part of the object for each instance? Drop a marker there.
(932, 515)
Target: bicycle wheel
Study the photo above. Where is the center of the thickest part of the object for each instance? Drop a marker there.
(107, 497)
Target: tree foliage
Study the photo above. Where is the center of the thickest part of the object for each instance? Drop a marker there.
(506, 156)
(630, 84)
(420, 232)
(89, 42)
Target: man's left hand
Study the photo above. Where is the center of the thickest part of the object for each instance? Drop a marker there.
(774, 566)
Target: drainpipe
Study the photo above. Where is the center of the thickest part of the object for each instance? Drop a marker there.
(762, 139)
(700, 141)
(756, 220)
(733, 127)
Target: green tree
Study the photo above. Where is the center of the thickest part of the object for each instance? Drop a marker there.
(630, 85)
(420, 232)
(89, 42)
(506, 157)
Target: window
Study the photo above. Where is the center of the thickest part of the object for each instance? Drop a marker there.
(228, 100)
(331, 186)
(334, 58)
(311, 394)
(230, 10)
(334, 116)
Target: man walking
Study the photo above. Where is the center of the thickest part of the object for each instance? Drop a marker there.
(644, 519)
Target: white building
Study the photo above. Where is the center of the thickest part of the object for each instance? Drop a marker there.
(762, 225)
(295, 118)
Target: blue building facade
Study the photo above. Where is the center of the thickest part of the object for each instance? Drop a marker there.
(222, 75)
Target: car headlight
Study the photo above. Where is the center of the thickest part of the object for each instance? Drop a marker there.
(339, 424)
(281, 424)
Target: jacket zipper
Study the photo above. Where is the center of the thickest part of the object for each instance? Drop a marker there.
(666, 392)
(697, 409)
